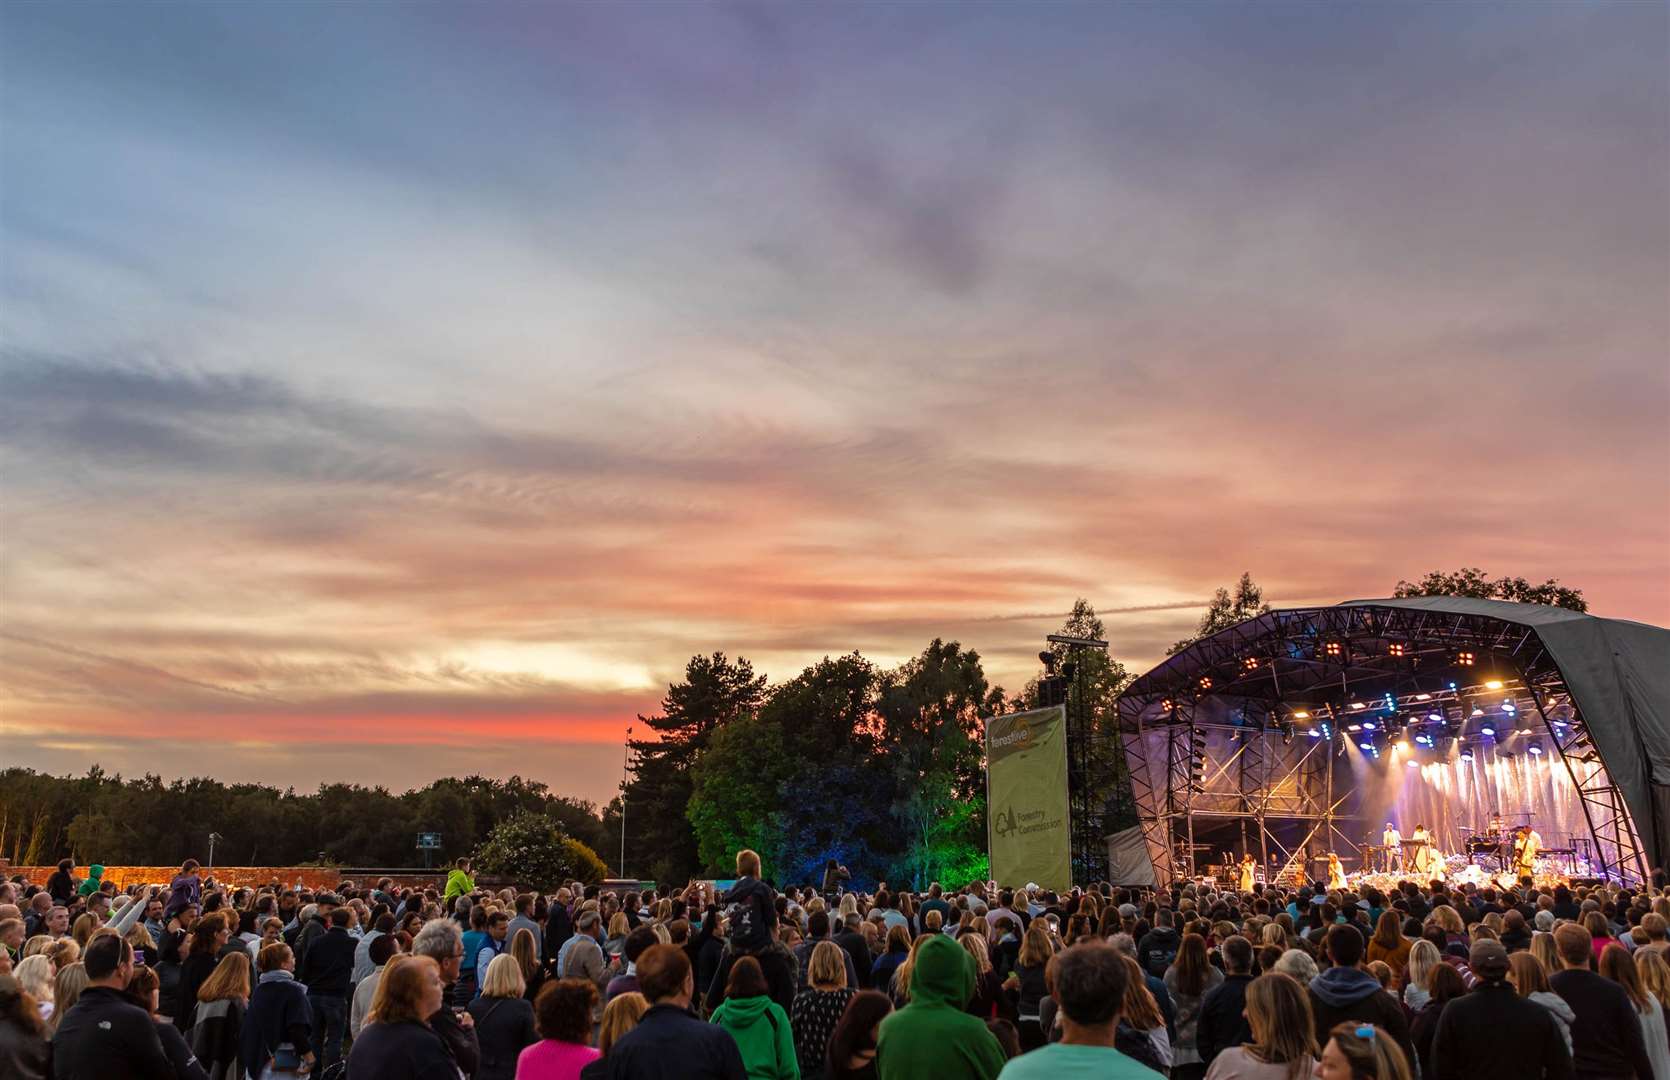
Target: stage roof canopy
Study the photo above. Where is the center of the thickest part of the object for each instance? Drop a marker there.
(1615, 672)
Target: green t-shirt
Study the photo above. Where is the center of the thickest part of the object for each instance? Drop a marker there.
(1058, 1062)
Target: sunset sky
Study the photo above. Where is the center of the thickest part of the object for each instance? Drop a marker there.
(391, 390)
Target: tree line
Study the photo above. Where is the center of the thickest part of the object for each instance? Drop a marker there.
(99, 817)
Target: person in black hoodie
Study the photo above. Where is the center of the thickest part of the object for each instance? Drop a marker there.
(1346, 992)
(1158, 948)
(327, 970)
(104, 1036)
(559, 927)
(1222, 1021)
(61, 885)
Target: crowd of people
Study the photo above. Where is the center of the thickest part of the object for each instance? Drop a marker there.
(375, 981)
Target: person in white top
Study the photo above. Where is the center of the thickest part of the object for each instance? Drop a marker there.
(1283, 1043)
(1525, 848)
(1392, 840)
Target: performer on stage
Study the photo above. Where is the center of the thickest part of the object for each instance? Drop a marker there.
(1423, 861)
(1525, 847)
(1392, 840)
(1336, 872)
(1249, 867)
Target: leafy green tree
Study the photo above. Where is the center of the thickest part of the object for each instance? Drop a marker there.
(929, 713)
(1473, 582)
(531, 848)
(715, 692)
(1226, 610)
(736, 795)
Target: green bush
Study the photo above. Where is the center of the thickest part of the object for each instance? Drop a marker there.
(531, 848)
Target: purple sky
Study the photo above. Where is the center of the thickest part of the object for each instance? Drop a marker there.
(391, 391)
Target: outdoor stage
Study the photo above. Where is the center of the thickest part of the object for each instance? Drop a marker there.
(1301, 733)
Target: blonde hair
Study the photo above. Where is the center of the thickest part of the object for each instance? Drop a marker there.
(229, 980)
(35, 974)
(36, 945)
(525, 952)
(618, 926)
(1140, 1009)
(1283, 1028)
(63, 952)
(620, 1016)
(1036, 947)
(1378, 1056)
(747, 863)
(975, 946)
(1423, 957)
(66, 991)
(85, 924)
(1543, 948)
(827, 969)
(1655, 973)
(504, 978)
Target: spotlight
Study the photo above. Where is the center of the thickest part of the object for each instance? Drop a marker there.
(1487, 730)
(1333, 650)
(1355, 727)
(1467, 755)
(1249, 663)
(1464, 658)
(1047, 658)
(1535, 748)
(1436, 718)
(1366, 745)
(1206, 682)
(1423, 697)
(1493, 684)
(1358, 705)
(1313, 733)
(1395, 648)
(1300, 714)
(1477, 711)
(1509, 707)
(1413, 764)
(1368, 726)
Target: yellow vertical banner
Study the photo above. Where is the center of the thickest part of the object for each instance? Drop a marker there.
(1027, 833)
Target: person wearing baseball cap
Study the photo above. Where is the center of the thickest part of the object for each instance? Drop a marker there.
(1493, 1033)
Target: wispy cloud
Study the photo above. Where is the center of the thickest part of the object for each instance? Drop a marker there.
(455, 393)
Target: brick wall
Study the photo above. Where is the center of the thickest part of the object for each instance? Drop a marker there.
(314, 877)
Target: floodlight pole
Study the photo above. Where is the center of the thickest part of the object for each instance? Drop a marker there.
(1081, 753)
(625, 773)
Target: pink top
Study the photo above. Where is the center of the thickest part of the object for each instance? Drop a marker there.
(1236, 1064)
(549, 1059)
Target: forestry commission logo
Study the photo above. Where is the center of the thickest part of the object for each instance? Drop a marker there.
(1005, 823)
(1019, 736)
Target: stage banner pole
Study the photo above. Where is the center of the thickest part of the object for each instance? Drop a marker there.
(1027, 833)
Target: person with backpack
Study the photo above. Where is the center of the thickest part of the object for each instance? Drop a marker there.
(1158, 948)
(751, 917)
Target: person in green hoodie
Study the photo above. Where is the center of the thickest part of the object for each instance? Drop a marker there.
(933, 1036)
(458, 883)
(95, 874)
(759, 1025)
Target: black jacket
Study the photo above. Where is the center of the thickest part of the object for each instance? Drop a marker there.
(503, 1028)
(670, 1044)
(1606, 1038)
(776, 962)
(194, 972)
(1221, 1024)
(61, 887)
(405, 1051)
(180, 1055)
(558, 929)
(105, 1037)
(1157, 949)
(751, 905)
(858, 951)
(460, 1042)
(328, 967)
(1340, 994)
(1494, 1034)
